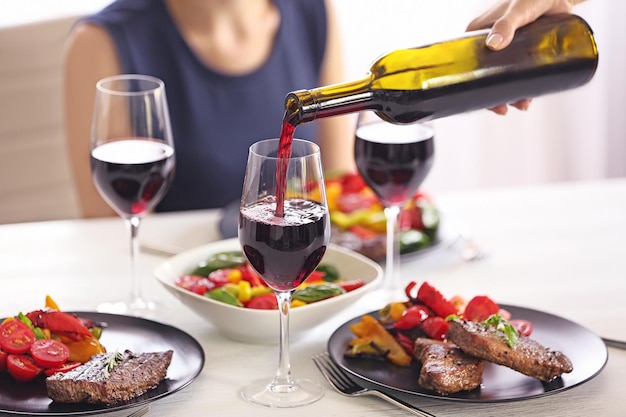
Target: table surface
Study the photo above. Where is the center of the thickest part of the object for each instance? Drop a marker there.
(557, 248)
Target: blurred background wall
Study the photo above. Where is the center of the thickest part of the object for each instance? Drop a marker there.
(35, 179)
(574, 135)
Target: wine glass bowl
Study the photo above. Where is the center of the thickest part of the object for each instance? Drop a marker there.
(284, 229)
(132, 160)
(393, 160)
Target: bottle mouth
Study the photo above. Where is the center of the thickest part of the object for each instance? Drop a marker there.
(304, 106)
(300, 107)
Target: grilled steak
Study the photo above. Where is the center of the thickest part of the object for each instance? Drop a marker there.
(445, 368)
(528, 356)
(95, 383)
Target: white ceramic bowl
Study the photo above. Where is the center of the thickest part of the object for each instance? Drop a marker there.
(261, 326)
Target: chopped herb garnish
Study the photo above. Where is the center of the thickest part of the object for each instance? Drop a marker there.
(504, 326)
(115, 359)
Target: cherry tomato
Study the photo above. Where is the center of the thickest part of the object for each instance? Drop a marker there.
(3, 360)
(22, 368)
(412, 317)
(480, 308)
(524, 327)
(315, 276)
(49, 353)
(421, 195)
(251, 276)
(352, 183)
(195, 283)
(364, 232)
(263, 302)
(219, 277)
(352, 284)
(66, 367)
(435, 327)
(411, 218)
(16, 337)
(458, 302)
(349, 202)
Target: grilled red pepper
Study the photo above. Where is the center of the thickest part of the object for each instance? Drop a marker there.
(434, 300)
(412, 317)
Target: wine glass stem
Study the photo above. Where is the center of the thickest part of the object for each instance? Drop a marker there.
(392, 273)
(283, 374)
(135, 291)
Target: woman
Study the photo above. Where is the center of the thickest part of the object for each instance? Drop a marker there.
(227, 66)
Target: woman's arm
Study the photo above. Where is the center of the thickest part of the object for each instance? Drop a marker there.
(336, 133)
(89, 57)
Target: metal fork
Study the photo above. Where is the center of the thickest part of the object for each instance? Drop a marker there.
(140, 412)
(471, 250)
(342, 383)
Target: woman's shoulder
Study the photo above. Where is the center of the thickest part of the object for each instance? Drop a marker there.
(308, 10)
(305, 23)
(127, 13)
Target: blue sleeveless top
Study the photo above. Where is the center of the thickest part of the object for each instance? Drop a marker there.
(216, 117)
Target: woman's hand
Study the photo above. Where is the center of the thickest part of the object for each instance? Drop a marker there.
(505, 17)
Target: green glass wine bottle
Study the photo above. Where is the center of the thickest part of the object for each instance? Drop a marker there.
(552, 54)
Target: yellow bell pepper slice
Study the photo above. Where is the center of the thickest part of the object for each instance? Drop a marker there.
(234, 276)
(370, 330)
(50, 303)
(259, 290)
(245, 291)
(297, 303)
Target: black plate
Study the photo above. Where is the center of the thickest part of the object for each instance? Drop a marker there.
(123, 332)
(585, 349)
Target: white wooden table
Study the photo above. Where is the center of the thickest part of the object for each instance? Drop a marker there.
(557, 248)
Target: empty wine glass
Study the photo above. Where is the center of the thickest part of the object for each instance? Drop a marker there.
(393, 160)
(284, 246)
(132, 161)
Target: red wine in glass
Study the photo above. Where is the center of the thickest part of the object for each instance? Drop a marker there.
(284, 250)
(394, 167)
(132, 174)
(393, 160)
(132, 162)
(284, 229)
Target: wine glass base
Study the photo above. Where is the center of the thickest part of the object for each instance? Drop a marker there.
(139, 308)
(273, 394)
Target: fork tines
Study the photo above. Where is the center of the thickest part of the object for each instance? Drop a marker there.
(333, 375)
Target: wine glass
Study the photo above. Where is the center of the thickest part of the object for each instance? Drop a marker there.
(284, 247)
(132, 161)
(393, 160)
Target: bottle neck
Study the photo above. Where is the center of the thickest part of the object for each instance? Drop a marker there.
(304, 106)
